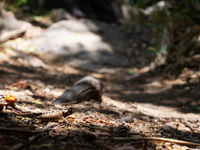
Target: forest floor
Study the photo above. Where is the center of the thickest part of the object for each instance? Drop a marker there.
(141, 109)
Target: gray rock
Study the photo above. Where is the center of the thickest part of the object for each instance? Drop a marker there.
(10, 27)
(79, 42)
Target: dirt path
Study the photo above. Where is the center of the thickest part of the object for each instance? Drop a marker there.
(135, 102)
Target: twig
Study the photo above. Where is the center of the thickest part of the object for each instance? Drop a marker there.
(24, 109)
(52, 115)
(17, 146)
(18, 130)
(55, 115)
(46, 128)
(42, 115)
(156, 139)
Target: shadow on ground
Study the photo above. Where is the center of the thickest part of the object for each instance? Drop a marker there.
(185, 97)
(146, 88)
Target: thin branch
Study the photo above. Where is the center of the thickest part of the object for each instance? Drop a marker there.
(46, 128)
(18, 130)
(42, 114)
(156, 139)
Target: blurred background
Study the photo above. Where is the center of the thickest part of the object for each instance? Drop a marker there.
(159, 34)
(145, 52)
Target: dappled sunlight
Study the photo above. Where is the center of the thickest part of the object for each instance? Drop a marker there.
(74, 35)
(74, 77)
(158, 90)
(162, 85)
(78, 44)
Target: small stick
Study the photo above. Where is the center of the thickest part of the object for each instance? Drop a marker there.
(52, 115)
(17, 146)
(43, 115)
(46, 128)
(157, 139)
(18, 130)
(55, 115)
(24, 109)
